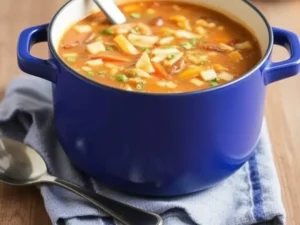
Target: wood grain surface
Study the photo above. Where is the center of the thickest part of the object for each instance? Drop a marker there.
(24, 206)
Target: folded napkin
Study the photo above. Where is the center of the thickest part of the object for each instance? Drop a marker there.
(250, 196)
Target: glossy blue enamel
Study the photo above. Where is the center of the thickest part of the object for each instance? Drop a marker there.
(157, 144)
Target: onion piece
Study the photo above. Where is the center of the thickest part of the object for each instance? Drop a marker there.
(244, 45)
(197, 82)
(170, 62)
(166, 40)
(96, 62)
(83, 28)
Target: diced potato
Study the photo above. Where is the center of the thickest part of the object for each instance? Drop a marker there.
(113, 71)
(212, 53)
(110, 65)
(170, 62)
(226, 47)
(165, 51)
(185, 34)
(121, 30)
(83, 28)
(136, 80)
(167, 84)
(96, 47)
(158, 58)
(208, 74)
(176, 7)
(197, 59)
(244, 45)
(166, 40)
(211, 25)
(96, 62)
(197, 82)
(86, 68)
(225, 76)
(200, 30)
(236, 56)
(150, 11)
(185, 24)
(125, 45)
(73, 54)
(142, 40)
(144, 63)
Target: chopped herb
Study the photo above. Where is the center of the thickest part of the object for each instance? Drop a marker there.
(107, 31)
(187, 45)
(170, 56)
(194, 41)
(135, 15)
(90, 73)
(140, 86)
(122, 78)
(214, 82)
(109, 48)
(71, 58)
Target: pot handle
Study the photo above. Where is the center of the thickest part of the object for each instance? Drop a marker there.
(287, 68)
(45, 69)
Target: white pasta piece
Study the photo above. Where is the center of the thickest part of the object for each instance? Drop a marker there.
(200, 30)
(96, 62)
(144, 63)
(226, 47)
(73, 54)
(158, 58)
(170, 62)
(141, 73)
(86, 68)
(168, 84)
(142, 40)
(185, 34)
(96, 47)
(197, 82)
(244, 45)
(165, 51)
(208, 74)
(166, 40)
(226, 76)
(83, 28)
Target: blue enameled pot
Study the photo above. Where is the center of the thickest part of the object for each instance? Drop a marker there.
(159, 144)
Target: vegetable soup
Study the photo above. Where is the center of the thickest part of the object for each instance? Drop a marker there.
(164, 47)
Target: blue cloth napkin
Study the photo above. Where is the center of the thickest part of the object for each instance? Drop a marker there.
(250, 196)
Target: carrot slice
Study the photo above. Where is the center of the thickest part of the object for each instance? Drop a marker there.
(160, 70)
(190, 73)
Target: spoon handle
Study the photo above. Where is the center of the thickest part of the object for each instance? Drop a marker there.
(124, 213)
(111, 10)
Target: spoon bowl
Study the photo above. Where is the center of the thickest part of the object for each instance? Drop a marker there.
(22, 165)
(111, 10)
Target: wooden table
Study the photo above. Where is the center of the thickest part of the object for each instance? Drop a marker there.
(24, 205)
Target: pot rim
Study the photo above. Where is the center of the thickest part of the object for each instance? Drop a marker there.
(223, 86)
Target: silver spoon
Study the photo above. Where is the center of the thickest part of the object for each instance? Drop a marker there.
(21, 165)
(111, 10)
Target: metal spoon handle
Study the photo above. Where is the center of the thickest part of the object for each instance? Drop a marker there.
(112, 12)
(124, 213)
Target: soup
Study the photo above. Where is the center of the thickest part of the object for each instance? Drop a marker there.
(164, 47)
